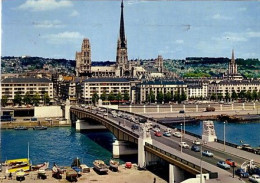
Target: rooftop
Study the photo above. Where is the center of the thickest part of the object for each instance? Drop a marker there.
(26, 80)
(107, 80)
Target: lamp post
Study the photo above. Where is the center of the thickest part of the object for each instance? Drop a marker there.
(201, 162)
(224, 136)
(181, 137)
(184, 124)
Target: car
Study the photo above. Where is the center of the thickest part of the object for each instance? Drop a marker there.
(181, 111)
(231, 162)
(195, 148)
(158, 134)
(196, 142)
(177, 134)
(156, 130)
(255, 178)
(255, 170)
(167, 134)
(134, 127)
(184, 145)
(241, 172)
(223, 165)
(207, 153)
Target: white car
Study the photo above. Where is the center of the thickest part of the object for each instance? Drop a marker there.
(196, 142)
(156, 130)
(207, 153)
(177, 134)
(255, 178)
(184, 145)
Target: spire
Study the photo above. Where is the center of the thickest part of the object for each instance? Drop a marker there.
(233, 56)
(122, 27)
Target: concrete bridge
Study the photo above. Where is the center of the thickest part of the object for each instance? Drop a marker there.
(152, 149)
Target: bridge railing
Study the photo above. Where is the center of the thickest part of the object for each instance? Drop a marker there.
(212, 175)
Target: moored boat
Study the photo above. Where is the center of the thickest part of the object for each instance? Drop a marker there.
(56, 172)
(17, 164)
(20, 175)
(100, 166)
(43, 166)
(71, 175)
(114, 165)
(40, 128)
(20, 128)
(41, 174)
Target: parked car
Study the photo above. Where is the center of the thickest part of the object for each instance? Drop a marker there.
(196, 142)
(184, 145)
(181, 111)
(134, 127)
(241, 172)
(158, 134)
(207, 153)
(230, 162)
(142, 120)
(177, 134)
(254, 178)
(156, 130)
(167, 134)
(195, 148)
(223, 165)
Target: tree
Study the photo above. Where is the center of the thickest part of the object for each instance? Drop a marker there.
(183, 96)
(176, 96)
(213, 96)
(234, 95)
(242, 94)
(160, 97)
(249, 95)
(220, 96)
(119, 96)
(4, 100)
(126, 96)
(111, 96)
(151, 97)
(36, 99)
(254, 95)
(227, 96)
(168, 97)
(27, 99)
(95, 98)
(18, 99)
(258, 95)
(46, 98)
(103, 96)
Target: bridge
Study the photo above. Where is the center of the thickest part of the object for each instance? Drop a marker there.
(151, 149)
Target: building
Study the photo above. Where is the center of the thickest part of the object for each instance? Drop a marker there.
(107, 86)
(12, 86)
(122, 67)
(197, 90)
(232, 72)
(144, 89)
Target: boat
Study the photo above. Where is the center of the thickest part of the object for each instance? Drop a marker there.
(84, 168)
(41, 174)
(100, 166)
(114, 165)
(71, 175)
(20, 175)
(43, 166)
(20, 128)
(40, 128)
(57, 171)
(76, 165)
(15, 165)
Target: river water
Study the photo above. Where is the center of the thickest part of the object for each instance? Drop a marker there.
(62, 144)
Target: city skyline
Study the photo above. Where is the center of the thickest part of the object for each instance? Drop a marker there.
(173, 29)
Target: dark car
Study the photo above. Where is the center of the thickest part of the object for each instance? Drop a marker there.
(195, 148)
(134, 127)
(240, 172)
(142, 120)
(181, 111)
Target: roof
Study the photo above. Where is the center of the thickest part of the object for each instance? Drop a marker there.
(26, 80)
(163, 82)
(112, 80)
(237, 82)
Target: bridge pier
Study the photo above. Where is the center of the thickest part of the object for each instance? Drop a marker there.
(144, 137)
(122, 148)
(67, 112)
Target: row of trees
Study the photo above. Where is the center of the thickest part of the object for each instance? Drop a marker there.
(166, 97)
(27, 99)
(110, 97)
(234, 96)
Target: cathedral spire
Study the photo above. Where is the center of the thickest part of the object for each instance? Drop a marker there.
(233, 56)
(122, 27)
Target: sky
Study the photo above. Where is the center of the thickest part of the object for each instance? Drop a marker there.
(173, 29)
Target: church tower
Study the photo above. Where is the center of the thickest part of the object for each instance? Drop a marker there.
(232, 66)
(122, 63)
(83, 59)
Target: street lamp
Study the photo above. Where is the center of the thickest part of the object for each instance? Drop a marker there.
(184, 124)
(201, 162)
(181, 137)
(224, 136)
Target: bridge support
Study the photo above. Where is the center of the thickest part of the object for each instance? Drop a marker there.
(144, 137)
(122, 148)
(171, 173)
(67, 111)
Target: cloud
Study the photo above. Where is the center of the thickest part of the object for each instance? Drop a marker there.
(63, 37)
(221, 17)
(44, 5)
(253, 34)
(74, 13)
(179, 41)
(48, 24)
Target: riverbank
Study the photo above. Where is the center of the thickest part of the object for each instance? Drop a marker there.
(31, 124)
(122, 176)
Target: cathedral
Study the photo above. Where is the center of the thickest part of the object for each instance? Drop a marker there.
(122, 67)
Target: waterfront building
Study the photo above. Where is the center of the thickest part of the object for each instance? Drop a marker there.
(107, 86)
(197, 89)
(12, 86)
(144, 89)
